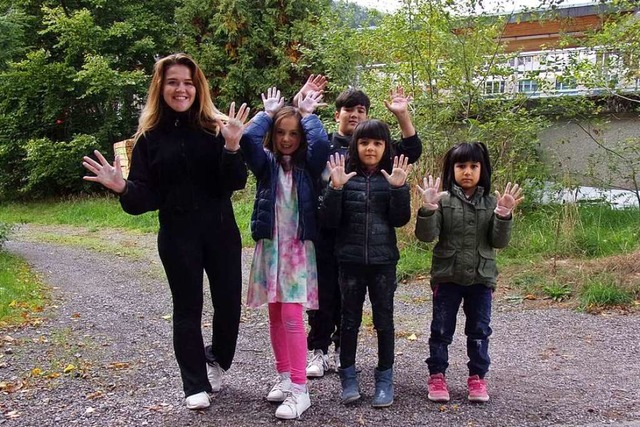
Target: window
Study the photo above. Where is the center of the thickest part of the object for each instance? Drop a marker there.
(493, 87)
(566, 84)
(527, 86)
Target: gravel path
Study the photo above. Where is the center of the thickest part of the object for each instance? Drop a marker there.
(108, 324)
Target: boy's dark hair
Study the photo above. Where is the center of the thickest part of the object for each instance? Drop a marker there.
(269, 143)
(374, 129)
(467, 152)
(351, 98)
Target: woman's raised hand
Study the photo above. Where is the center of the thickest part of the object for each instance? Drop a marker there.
(309, 102)
(508, 201)
(336, 168)
(401, 169)
(232, 130)
(105, 174)
(272, 101)
(430, 193)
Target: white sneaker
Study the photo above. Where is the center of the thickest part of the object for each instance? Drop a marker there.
(281, 389)
(214, 373)
(295, 404)
(198, 400)
(318, 364)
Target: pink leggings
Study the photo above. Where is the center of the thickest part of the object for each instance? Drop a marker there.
(289, 340)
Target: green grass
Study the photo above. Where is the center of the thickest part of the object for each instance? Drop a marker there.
(604, 291)
(589, 231)
(21, 293)
(542, 233)
(105, 212)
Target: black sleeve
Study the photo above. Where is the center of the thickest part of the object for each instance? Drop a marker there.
(141, 194)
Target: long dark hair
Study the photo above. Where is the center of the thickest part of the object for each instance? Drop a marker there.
(374, 129)
(467, 152)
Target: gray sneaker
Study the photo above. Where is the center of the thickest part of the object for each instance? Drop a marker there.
(318, 364)
(214, 373)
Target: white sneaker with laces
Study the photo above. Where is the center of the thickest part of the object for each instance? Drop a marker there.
(318, 364)
(295, 404)
(281, 389)
(214, 373)
(198, 401)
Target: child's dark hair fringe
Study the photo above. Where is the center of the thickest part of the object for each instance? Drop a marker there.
(467, 152)
(374, 129)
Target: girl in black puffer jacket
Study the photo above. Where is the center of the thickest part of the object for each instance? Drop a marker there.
(366, 200)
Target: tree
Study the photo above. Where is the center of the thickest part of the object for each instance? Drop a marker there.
(83, 73)
(246, 46)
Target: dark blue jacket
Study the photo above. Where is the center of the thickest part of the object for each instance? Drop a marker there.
(265, 166)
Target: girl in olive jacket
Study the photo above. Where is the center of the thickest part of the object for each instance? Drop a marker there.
(365, 203)
(470, 224)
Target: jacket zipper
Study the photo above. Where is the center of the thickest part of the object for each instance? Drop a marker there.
(366, 222)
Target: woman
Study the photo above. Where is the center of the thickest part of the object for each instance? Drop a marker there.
(186, 163)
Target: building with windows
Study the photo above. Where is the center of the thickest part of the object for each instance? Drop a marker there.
(539, 50)
(540, 54)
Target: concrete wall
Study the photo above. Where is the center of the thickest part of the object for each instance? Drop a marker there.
(571, 152)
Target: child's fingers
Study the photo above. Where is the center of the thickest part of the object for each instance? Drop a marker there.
(507, 189)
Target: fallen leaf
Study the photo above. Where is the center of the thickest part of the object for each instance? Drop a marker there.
(95, 395)
(75, 315)
(119, 365)
(69, 368)
(89, 410)
(167, 317)
(36, 372)
(12, 415)
(412, 337)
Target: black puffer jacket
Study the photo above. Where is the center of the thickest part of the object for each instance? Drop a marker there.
(365, 212)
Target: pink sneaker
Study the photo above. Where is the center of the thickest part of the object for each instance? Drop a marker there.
(477, 389)
(438, 391)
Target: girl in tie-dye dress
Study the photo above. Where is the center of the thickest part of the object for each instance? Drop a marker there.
(286, 149)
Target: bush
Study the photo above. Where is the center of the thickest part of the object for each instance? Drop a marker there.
(55, 168)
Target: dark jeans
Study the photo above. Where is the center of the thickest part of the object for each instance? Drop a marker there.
(477, 309)
(381, 282)
(190, 245)
(324, 323)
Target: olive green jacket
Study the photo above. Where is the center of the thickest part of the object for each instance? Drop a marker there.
(468, 234)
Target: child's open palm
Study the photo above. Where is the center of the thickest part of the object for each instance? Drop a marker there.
(399, 102)
(309, 103)
(339, 177)
(401, 169)
(272, 101)
(431, 193)
(508, 201)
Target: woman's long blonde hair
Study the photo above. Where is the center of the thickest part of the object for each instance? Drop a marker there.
(203, 108)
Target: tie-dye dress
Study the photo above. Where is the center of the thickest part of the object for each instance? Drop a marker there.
(284, 268)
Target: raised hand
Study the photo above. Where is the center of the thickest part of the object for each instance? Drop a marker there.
(309, 102)
(232, 130)
(272, 101)
(430, 193)
(105, 174)
(508, 201)
(398, 103)
(401, 169)
(336, 168)
(315, 83)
